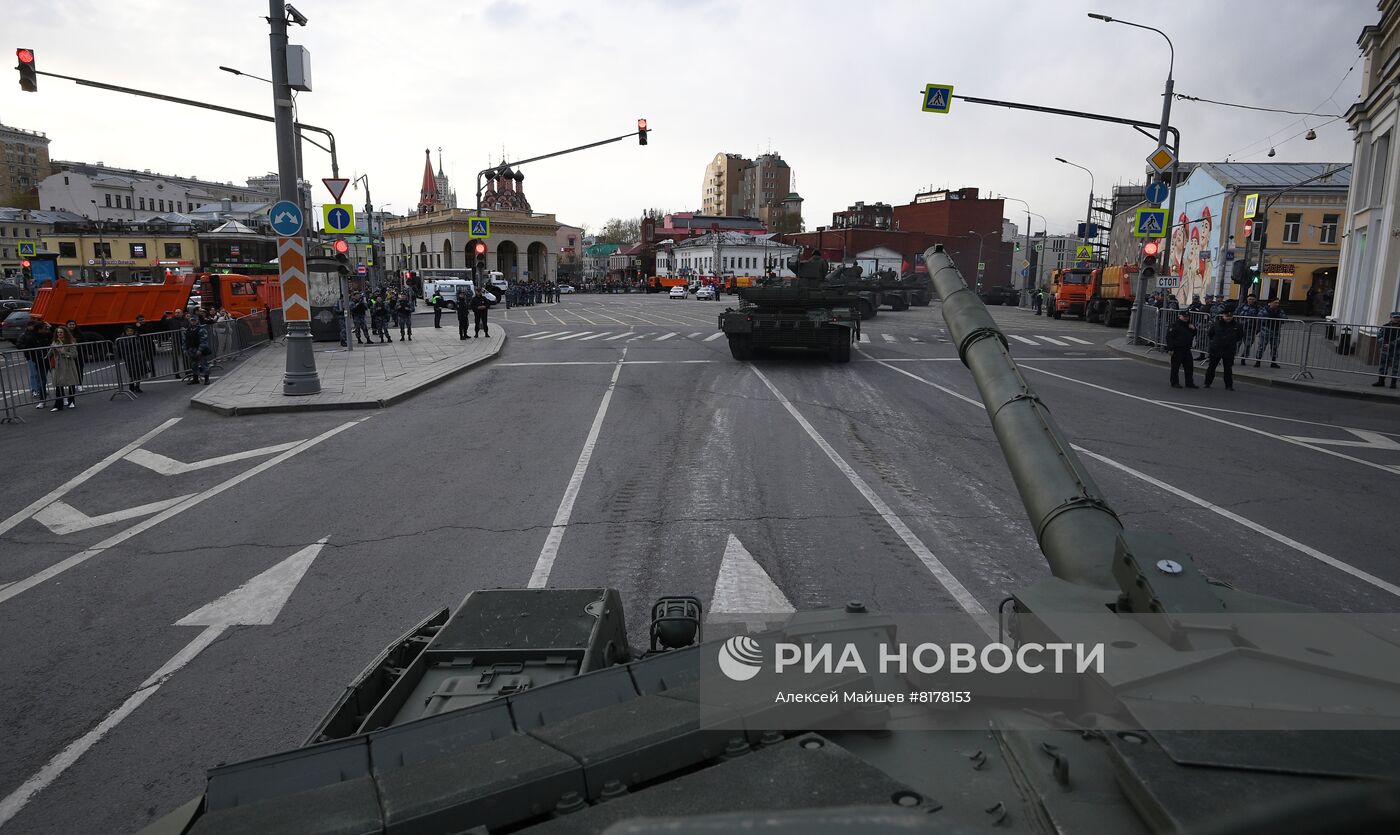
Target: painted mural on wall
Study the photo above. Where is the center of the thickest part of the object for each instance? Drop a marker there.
(1195, 239)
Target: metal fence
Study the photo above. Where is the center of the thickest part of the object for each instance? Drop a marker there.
(1303, 345)
(28, 378)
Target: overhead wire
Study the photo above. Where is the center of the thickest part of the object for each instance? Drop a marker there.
(1269, 140)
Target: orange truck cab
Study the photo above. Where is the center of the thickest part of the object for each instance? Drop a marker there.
(1073, 289)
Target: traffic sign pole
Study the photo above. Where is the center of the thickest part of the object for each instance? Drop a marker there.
(300, 377)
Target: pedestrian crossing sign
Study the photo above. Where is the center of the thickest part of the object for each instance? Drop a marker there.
(938, 98)
(1150, 223)
(26, 249)
(480, 227)
(1084, 252)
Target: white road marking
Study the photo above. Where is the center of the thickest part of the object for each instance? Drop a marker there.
(18, 588)
(1307, 550)
(865, 339)
(573, 336)
(664, 338)
(1277, 417)
(955, 588)
(888, 337)
(559, 335)
(533, 335)
(1165, 405)
(82, 477)
(914, 339)
(544, 335)
(693, 335)
(255, 603)
(1052, 340)
(743, 587)
(1077, 339)
(545, 564)
(714, 336)
(169, 466)
(594, 336)
(62, 518)
(640, 336)
(619, 336)
(1024, 339)
(1369, 440)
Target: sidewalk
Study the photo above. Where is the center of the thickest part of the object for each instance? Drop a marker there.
(1336, 384)
(369, 377)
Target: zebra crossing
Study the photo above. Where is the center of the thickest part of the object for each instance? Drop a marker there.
(1058, 340)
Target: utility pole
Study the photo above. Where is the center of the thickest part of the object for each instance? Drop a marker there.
(300, 377)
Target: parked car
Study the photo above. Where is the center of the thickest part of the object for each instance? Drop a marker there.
(565, 288)
(14, 325)
(705, 294)
(678, 292)
(9, 306)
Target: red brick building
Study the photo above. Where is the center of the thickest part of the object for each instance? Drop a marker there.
(960, 220)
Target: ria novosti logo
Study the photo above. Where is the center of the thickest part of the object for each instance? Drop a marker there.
(740, 658)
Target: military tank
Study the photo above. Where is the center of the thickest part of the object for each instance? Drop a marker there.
(523, 710)
(814, 310)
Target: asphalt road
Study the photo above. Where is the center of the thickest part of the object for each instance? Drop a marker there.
(613, 442)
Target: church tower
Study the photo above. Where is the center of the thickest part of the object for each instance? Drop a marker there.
(429, 200)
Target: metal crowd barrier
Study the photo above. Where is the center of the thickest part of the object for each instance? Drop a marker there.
(1304, 345)
(120, 367)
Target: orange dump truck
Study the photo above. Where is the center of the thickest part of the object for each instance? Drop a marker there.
(1073, 289)
(1115, 297)
(106, 308)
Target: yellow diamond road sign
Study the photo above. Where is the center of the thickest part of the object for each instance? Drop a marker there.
(1161, 159)
(338, 218)
(1084, 252)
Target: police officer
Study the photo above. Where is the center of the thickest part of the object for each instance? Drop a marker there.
(1180, 337)
(1250, 326)
(1224, 337)
(437, 309)
(464, 313)
(480, 306)
(357, 314)
(1389, 339)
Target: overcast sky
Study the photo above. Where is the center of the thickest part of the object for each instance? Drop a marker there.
(832, 86)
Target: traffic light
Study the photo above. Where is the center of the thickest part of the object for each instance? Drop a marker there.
(1249, 228)
(28, 74)
(342, 257)
(1148, 269)
(641, 131)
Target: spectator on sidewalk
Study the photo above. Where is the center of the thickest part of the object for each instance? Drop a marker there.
(63, 361)
(1389, 339)
(35, 342)
(1224, 336)
(1270, 323)
(1181, 336)
(1249, 324)
(130, 352)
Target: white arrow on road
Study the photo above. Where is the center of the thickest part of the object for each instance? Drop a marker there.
(743, 587)
(169, 466)
(62, 518)
(255, 603)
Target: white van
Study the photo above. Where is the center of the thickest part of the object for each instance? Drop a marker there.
(451, 289)
(498, 280)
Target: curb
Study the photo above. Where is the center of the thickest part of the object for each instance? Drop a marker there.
(1297, 385)
(379, 403)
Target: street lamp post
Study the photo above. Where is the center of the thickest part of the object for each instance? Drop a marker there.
(101, 239)
(1161, 141)
(1088, 213)
(1027, 256)
(981, 239)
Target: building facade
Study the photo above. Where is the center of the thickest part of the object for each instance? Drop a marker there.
(25, 163)
(1367, 286)
(719, 193)
(712, 256)
(19, 226)
(118, 194)
(1305, 205)
(522, 244)
(568, 243)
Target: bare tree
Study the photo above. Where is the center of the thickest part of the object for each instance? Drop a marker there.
(620, 231)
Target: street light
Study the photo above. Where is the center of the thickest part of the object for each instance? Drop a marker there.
(240, 72)
(101, 239)
(1089, 213)
(1027, 255)
(1171, 66)
(981, 239)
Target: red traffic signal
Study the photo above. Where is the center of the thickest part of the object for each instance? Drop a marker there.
(340, 246)
(1150, 248)
(479, 248)
(28, 74)
(641, 131)
(24, 263)
(1249, 227)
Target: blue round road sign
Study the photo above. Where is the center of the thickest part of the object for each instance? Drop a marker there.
(286, 218)
(1156, 193)
(339, 218)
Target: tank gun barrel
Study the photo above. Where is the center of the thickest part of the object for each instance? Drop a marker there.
(1075, 527)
